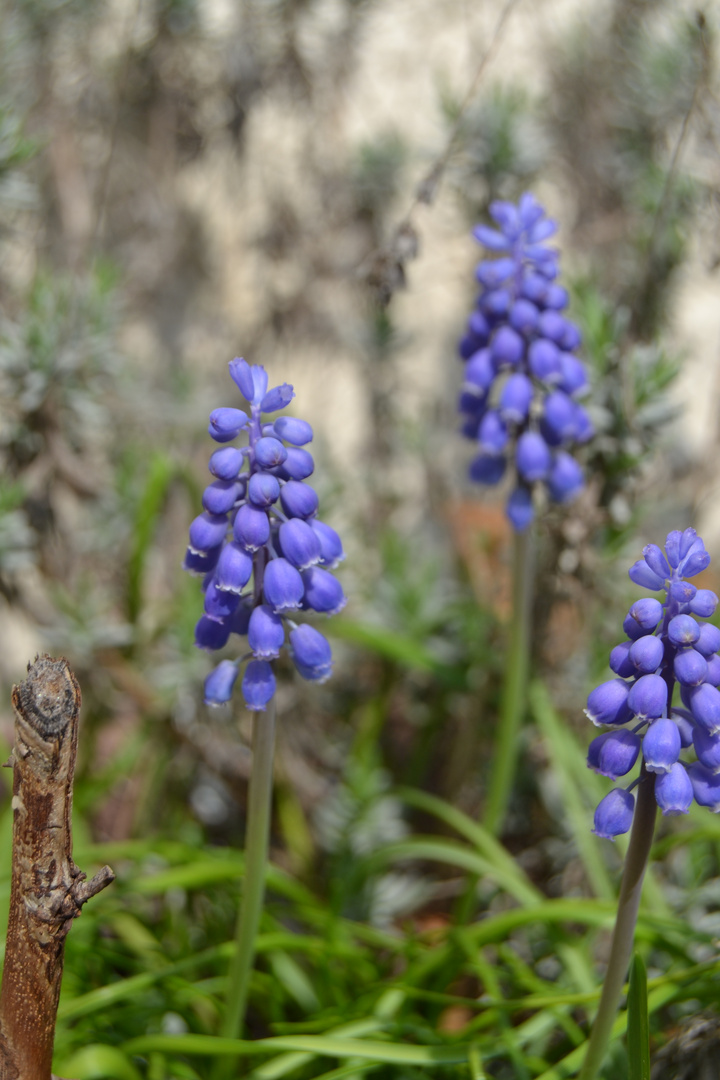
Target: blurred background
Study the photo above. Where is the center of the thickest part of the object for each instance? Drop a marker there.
(295, 181)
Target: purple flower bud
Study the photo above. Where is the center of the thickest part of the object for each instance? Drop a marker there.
(219, 603)
(472, 400)
(573, 377)
(219, 683)
(707, 748)
(690, 667)
(673, 790)
(269, 452)
(661, 746)
(565, 480)
(331, 549)
(551, 325)
(544, 360)
(646, 613)
(557, 298)
(523, 316)
(311, 651)
(207, 531)
(210, 634)
(200, 562)
(643, 576)
(251, 527)
(705, 786)
(620, 661)
(479, 372)
(614, 814)
(298, 464)
(226, 463)
(266, 633)
(250, 379)
(647, 654)
(708, 641)
(487, 469)
(685, 725)
(277, 398)
(672, 547)
(519, 508)
(493, 273)
(495, 303)
(683, 630)
(282, 586)
(292, 430)
(584, 430)
(258, 685)
(515, 398)
(531, 217)
(703, 602)
(479, 327)
(507, 216)
(648, 697)
(220, 496)
(713, 670)
(493, 435)
(682, 592)
(507, 347)
(532, 457)
(300, 544)
(298, 500)
(572, 338)
(226, 424)
(533, 287)
(613, 753)
(239, 621)
(263, 489)
(323, 592)
(608, 703)
(560, 416)
(234, 568)
(490, 239)
(695, 561)
(656, 560)
(705, 707)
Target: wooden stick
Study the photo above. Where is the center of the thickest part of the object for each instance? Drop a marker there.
(48, 890)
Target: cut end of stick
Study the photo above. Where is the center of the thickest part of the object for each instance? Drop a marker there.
(49, 699)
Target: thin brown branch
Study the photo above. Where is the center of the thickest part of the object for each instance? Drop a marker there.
(48, 890)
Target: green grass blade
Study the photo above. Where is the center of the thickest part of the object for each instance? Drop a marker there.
(388, 1053)
(479, 837)
(97, 1062)
(638, 1028)
(452, 853)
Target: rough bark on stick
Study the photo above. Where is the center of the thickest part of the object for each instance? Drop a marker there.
(48, 890)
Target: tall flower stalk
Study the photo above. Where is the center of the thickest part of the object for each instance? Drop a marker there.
(264, 557)
(666, 648)
(519, 405)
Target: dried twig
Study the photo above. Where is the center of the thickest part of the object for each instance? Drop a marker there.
(48, 890)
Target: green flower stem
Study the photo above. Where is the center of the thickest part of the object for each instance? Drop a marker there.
(636, 860)
(515, 686)
(256, 852)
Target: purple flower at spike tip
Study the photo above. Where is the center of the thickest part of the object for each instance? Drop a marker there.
(263, 554)
(670, 651)
(522, 380)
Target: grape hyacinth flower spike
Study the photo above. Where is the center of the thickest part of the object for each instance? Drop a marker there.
(263, 554)
(519, 399)
(519, 404)
(264, 558)
(670, 652)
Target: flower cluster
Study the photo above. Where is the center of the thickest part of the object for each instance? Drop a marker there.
(666, 646)
(259, 547)
(522, 379)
